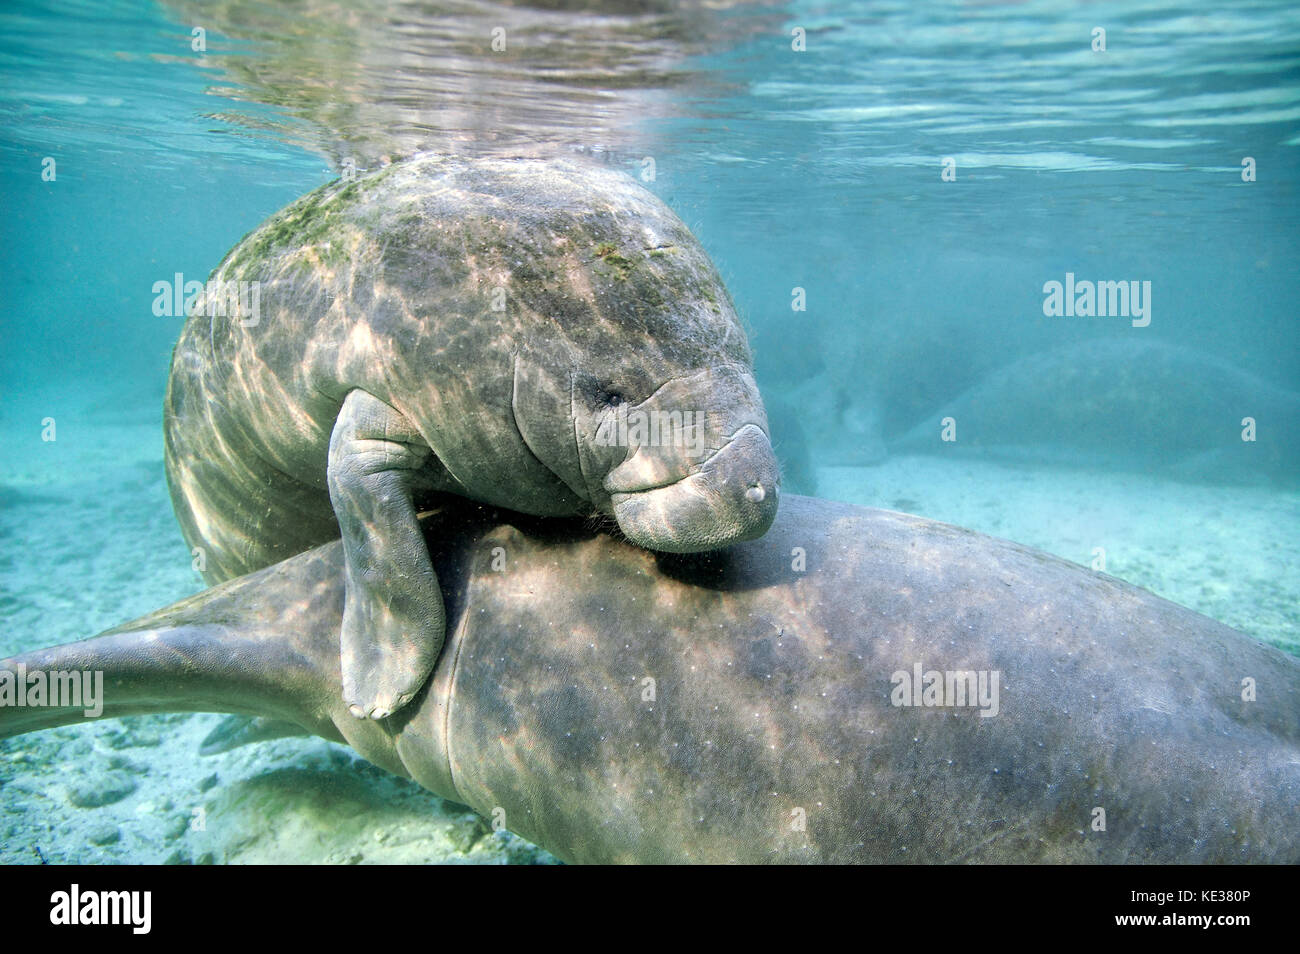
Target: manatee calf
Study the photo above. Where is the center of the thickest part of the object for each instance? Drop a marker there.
(538, 336)
(757, 704)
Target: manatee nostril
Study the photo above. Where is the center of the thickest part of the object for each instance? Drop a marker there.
(756, 493)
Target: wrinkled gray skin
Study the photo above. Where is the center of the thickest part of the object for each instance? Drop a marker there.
(771, 694)
(466, 327)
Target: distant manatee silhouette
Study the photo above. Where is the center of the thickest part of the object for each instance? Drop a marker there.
(1125, 403)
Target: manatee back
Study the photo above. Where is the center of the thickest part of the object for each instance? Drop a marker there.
(740, 707)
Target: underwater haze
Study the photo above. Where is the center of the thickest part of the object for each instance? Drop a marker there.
(1029, 268)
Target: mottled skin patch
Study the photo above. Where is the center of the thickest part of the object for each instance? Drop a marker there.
(458, 326)
(772, 694)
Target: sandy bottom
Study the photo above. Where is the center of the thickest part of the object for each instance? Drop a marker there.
(87, 541)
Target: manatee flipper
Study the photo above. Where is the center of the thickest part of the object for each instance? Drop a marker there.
(393, 617)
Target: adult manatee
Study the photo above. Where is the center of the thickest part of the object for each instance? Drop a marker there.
(534, 335)
(618, 705)
(1126, 402)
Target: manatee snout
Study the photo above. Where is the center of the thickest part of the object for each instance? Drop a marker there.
(732, 496)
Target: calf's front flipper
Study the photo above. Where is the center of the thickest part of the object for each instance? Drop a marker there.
(393, 617)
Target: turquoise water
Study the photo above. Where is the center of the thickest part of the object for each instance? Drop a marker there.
(819, 170)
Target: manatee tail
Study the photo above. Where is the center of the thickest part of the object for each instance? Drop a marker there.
(264, 645)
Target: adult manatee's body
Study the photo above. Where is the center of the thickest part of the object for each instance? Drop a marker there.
(1125, 402)
(501, 330)
(768, 732)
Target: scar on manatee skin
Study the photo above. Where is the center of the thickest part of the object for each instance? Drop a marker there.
(608, 252)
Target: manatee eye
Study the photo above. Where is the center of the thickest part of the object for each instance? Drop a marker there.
(602, 395)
